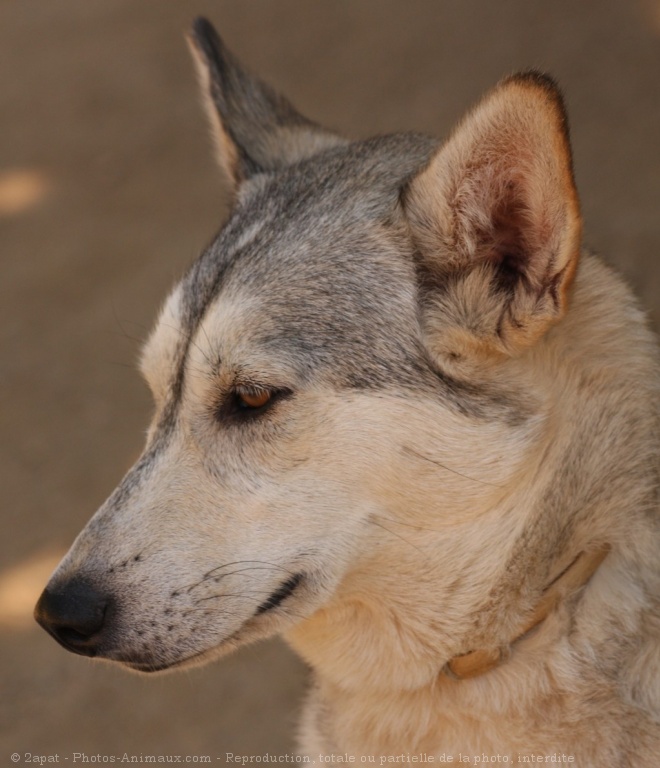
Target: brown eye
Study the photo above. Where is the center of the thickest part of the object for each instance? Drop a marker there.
(253, 398)
(249, 402)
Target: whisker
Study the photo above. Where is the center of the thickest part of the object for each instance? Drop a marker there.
(121, 326)
(262, 566)
(206, 336)
(189, 339)
(244, 562)
(231, 614)
(229, 594)
(408, 525)
(407, 449)
(380, 525)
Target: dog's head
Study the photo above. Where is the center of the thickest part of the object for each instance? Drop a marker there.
(352, 357)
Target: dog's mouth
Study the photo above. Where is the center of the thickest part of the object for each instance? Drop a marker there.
(286, 589)
(282, 593)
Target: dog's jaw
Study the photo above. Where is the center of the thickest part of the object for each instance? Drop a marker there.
(272, 616)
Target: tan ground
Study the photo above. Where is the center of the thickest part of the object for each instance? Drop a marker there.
(107, 191)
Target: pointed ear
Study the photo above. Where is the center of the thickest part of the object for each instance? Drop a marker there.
(256, 129)
(496, 220)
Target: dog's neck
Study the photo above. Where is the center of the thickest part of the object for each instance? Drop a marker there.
(377, 666)
(413, 656)
(572, 578)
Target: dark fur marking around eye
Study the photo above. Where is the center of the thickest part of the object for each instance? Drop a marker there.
(234, 409)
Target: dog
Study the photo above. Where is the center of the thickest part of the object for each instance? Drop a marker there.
(404, 419)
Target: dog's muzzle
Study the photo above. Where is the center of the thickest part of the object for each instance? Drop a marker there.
(74, 613)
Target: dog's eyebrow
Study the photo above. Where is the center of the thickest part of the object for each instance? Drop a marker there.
(198, 288)
(155, 348)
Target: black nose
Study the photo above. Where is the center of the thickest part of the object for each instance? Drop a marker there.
(74, 613)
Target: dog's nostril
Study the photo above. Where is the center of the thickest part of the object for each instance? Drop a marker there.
(74, 613)
(71, 637)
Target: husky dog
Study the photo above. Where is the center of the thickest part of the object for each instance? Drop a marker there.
(405, 420)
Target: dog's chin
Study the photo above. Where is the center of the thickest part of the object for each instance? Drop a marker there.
(188, 662)
(252, 631)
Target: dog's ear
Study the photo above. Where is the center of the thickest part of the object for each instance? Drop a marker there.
(256, 129)
(496, 221)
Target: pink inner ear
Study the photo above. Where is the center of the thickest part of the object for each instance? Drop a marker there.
(507, 245)
(516, 237)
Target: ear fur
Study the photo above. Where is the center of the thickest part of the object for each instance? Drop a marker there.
(256, 129)
(496, 220)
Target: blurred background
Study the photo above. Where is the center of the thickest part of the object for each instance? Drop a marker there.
(108, 190)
